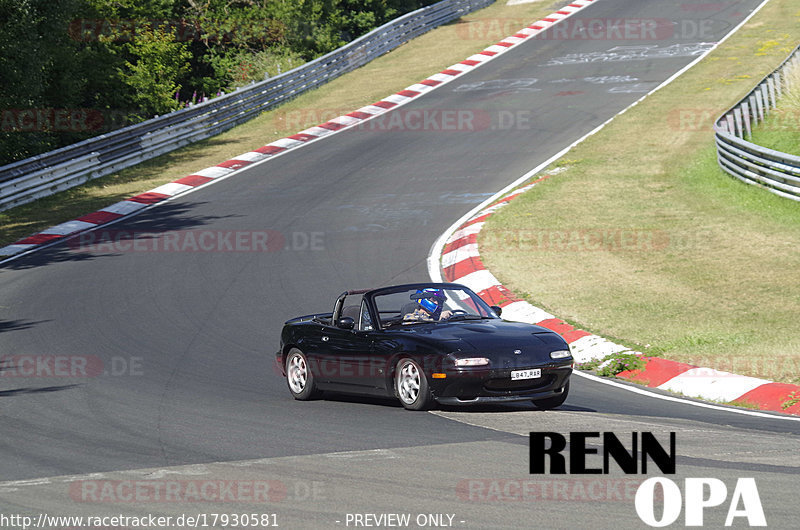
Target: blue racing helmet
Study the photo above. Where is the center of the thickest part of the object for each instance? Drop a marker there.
(430, 299)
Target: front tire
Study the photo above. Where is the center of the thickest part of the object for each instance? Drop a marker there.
(299, 377)
(411, 386)
(553, 402)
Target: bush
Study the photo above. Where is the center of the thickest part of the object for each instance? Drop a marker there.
(614, 364)
(152, 79)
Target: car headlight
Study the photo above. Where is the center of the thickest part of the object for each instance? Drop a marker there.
(559, 354)
(472, 361)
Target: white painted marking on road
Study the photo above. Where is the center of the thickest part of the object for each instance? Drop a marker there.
(69, 227)
(479, 280)
(466, 231)
(460, 254)
(250, 156)
(191, 470)
(369, 454)
(171, 188)
(213, 172)
(124, 207)
(525, 312)
(716, 385)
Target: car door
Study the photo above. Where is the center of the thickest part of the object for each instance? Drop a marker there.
(345, 354)
(346, 358)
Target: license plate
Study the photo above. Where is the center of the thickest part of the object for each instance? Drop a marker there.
(526, 374)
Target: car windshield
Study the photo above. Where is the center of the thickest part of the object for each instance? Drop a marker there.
(430, 304)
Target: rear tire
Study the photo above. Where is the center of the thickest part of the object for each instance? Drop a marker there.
(299, 377)
(553, 402)
(411, 385)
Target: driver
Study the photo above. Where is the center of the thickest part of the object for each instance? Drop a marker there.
(430, 303)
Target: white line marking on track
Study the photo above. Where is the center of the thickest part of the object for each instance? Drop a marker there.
(644, 392)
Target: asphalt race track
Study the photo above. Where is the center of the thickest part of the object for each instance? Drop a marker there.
(179, 345)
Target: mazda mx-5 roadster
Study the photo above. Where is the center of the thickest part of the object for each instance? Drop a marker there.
(423, 343)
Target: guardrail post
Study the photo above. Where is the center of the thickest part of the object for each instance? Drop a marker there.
(760, 105)
(737, 115)
(771, 88)
(747, 118)
(772, 170)
(765, 97)
(753, 108)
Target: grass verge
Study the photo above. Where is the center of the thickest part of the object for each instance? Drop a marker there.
(386, 75)
(642, 237)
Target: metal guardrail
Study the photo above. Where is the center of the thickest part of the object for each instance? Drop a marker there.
(39, 176)
(774, 171)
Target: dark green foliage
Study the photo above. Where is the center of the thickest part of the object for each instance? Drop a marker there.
(72, 69)
(151, 77)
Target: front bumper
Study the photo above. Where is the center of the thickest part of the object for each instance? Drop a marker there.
(467, 387)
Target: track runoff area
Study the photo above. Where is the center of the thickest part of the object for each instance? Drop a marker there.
(203, 432)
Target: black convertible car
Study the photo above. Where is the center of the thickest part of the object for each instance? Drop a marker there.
(423, 343)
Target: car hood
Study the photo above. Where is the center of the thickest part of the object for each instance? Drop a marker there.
(488, 336)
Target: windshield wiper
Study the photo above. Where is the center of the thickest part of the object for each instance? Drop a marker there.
(464, 317)
(401, 322)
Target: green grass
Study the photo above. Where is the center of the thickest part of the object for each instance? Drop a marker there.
(396, 70)
(743, 404)
(792, 399)
(781, 129)
(695, 266)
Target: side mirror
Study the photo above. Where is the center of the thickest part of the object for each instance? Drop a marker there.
(345, 323)
(497, 309)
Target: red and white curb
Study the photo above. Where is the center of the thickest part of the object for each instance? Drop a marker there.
(191, 182)
(461, 263)
(716, 385)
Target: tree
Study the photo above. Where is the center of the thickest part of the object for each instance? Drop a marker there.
(159, 62)
(33, 46)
